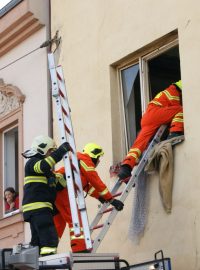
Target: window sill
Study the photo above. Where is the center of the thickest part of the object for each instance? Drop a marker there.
(11, 213)
(11, 218)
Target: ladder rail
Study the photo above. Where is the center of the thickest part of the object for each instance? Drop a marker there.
(135, 175)
(71, 141)
(70, 184)
(71, 166)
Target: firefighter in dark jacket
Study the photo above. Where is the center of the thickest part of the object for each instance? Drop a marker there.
(40, 192)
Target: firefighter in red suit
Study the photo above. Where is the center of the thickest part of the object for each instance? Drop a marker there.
(165, 108)
(92, 185)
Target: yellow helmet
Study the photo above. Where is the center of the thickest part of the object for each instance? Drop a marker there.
(93, 150)
(178, 84)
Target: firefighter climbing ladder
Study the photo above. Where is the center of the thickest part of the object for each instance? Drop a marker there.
(123, 195)
(71, 168)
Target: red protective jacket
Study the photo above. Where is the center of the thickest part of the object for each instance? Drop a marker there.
(166, 109)
(92, 183)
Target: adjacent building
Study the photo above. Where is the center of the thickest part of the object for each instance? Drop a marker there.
(25, 109)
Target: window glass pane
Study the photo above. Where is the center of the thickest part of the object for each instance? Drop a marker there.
(132, 101)
(11, 158)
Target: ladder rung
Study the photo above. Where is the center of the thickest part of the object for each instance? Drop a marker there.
(117, 194)
(125, 180)
(97, 227)
(107, 210)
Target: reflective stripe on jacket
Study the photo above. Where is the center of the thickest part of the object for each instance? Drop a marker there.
(169, 97)
(38, 195)
(91, 181)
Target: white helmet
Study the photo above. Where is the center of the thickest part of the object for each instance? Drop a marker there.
(40, 145)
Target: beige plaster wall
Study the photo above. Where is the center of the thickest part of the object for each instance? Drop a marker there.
(96, 34)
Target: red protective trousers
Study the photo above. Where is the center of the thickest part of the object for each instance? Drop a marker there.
(63, 217)
(153, 118)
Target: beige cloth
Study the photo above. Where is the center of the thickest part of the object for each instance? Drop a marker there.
(161, 160)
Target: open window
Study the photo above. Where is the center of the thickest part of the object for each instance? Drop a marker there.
(141, 81)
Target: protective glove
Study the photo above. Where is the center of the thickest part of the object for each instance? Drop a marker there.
(60, 179)
(52, 181)
(102, 200)
(125, 172)
(64, 148)
(117, 204)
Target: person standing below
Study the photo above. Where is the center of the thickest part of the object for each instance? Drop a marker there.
(92, 185)
(11, 199)
(165, 109)
(40, 192)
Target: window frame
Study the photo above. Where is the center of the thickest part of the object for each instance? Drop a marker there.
(144, 70)
(142, 59)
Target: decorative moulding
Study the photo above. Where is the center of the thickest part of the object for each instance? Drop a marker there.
(11, 98)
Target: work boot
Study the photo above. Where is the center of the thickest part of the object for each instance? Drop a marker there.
(174, 134)
(83, 251)
(125, 172)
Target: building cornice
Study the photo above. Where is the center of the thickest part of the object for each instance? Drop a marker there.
(17, 25)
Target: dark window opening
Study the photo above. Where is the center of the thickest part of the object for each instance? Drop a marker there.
(164, 69)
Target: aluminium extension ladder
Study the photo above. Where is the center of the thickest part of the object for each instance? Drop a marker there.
(121, 195)
(71, 167)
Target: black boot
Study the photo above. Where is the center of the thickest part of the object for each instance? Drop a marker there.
(83, 251)
(174, 134)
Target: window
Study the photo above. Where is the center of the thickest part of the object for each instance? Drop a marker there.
(142, 80)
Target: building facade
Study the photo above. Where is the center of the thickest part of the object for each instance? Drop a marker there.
(116, 56)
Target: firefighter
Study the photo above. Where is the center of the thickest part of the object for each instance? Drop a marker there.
(165, 108)
(40, 192)
(92, 185)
